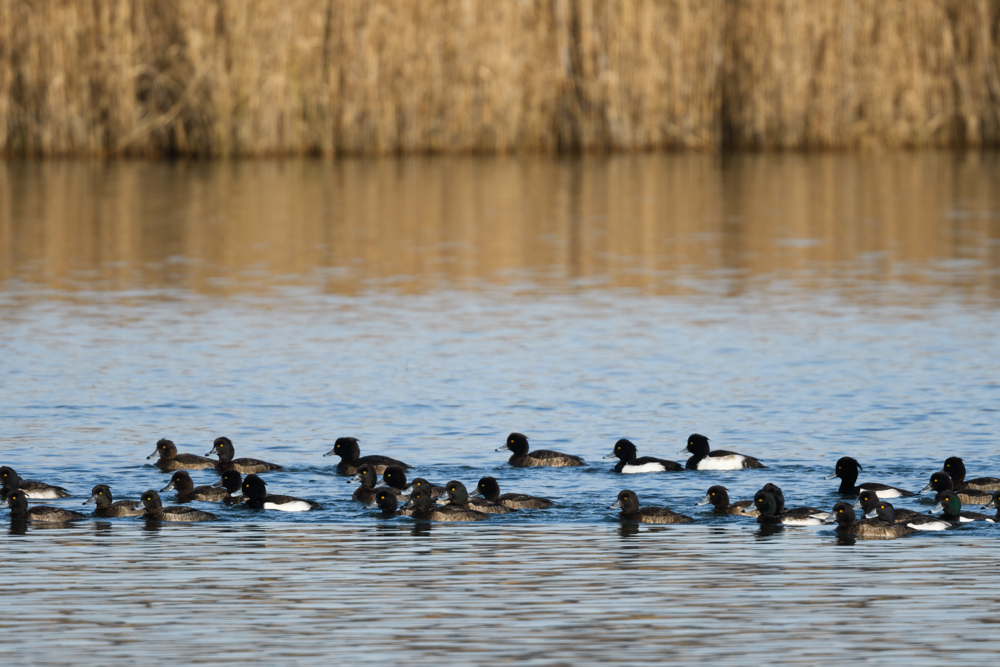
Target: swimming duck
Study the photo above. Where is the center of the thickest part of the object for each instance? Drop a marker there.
(171, 460)
(32, 489)
(629, 462)
(915, 520)
(847, 470)
(458, 496)
(883, 528)
(518, 444)
(107, 506)
(368, 478)
(258, 498)
(17, 500)
(384, 499)
(155, 511)
(702, 458)
(489, 488)
(718, 498)
(395, 478)
(187, 491)
(232, 482)
(868, 502)
(423, 510)
(955, 467)
(950, 507)
(771, 511)
(350, 458)
(223, 446)
(941, 481)
(628, 503)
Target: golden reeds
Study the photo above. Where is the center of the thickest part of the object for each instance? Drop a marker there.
(260, 77)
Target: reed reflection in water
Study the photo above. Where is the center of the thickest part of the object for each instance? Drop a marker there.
(655, 223)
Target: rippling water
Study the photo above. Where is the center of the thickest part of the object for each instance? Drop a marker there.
(790, 307)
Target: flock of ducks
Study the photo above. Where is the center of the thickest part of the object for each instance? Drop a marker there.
(240, 483)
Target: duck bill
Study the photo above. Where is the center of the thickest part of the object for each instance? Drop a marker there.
(608, 457)
(616, 506)
(502, 448)
(683, 452)
(857, 505)
(373, 505)
(167, 487)
(871, 515)
(925, 489)
(937, 509)
(704, 501)
(211, 452)
(219, 484)
(329, 453)
(156, 452)
(832, 475)
(92, 499)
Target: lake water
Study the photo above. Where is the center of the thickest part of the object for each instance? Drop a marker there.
(797, 308)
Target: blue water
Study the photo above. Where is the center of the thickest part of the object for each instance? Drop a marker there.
(429, 308)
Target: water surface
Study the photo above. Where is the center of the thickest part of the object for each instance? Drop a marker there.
(797, 308)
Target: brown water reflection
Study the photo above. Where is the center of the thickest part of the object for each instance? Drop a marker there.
(651, 222)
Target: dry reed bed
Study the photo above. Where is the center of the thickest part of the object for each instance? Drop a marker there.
(261, 77)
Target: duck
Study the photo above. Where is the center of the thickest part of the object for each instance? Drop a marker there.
(171, 460)
(384, 499)
(17, 500)
(32, 489)
(155, 511)
(914, 520)
(368, 478)
(458, 496)
(630, 463)
(395, 478)
(181, 482)
(232, 482)
(521, 458)
(107, 506)
(489, 488)
(718, 497)
(258, 498)
(941, 481)
(950, 507)
(884, 527)
(422, 509)
(955, 467)
(702, 458)
(798, 512)
(771, 510)
(868, 502)
(847, 470)
(994, 503)
(350, 458)
(628, 503)
(223, 446)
